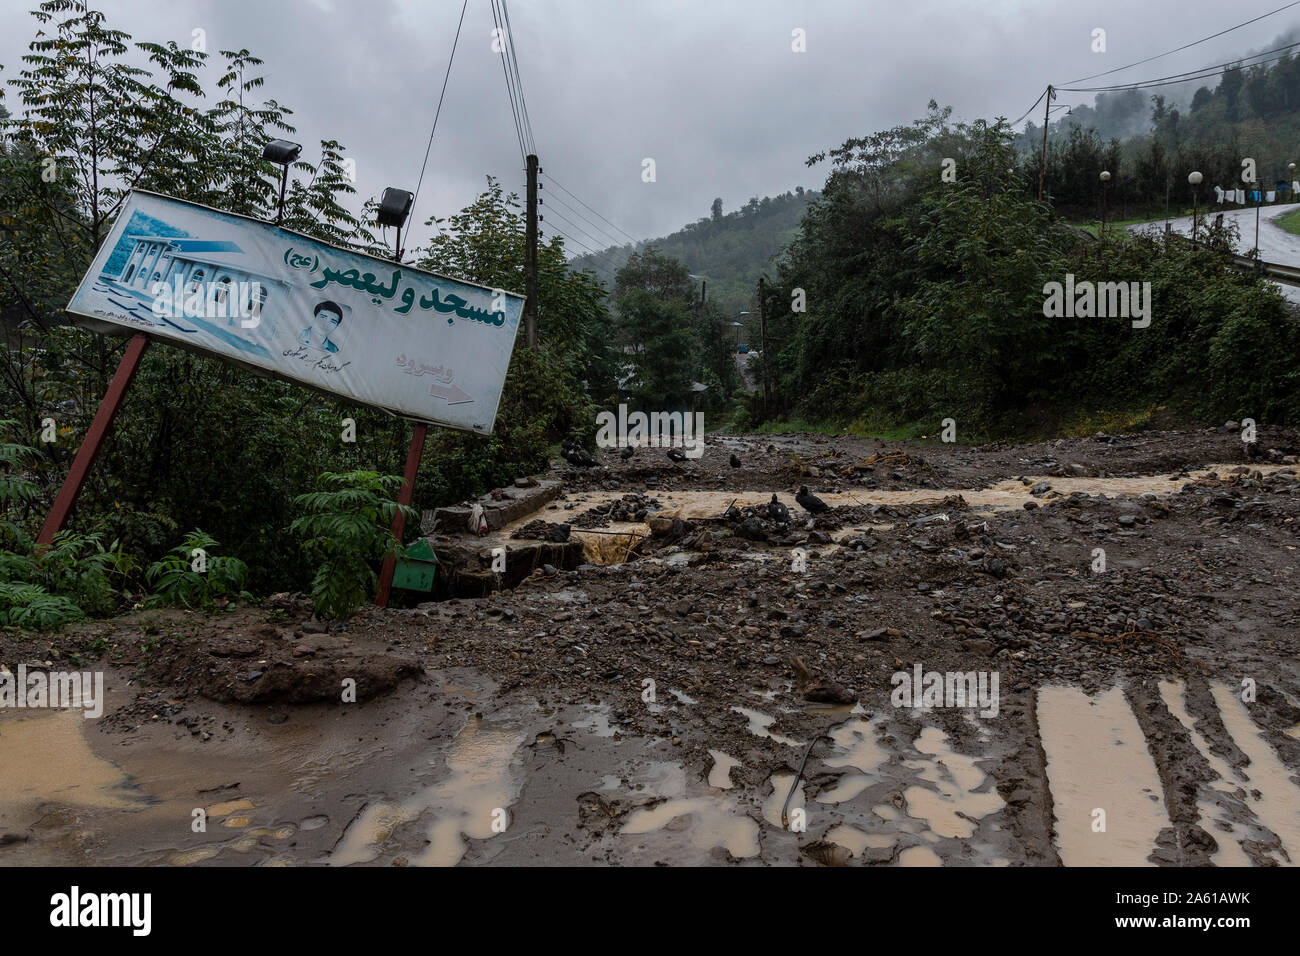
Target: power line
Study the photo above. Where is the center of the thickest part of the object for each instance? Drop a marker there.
(554, 182)
(604, 271)
(438, 112)
(1188, 77)
(601, 257)
(510, 88)
(1186, 46)
(519, 82)
(577, 228)
(597, 233)
(1031, 109)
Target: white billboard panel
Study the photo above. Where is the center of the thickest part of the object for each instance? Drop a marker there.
(391, 336)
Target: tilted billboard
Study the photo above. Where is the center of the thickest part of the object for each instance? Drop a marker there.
(409, 341)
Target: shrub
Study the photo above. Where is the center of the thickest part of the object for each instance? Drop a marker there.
(345, 532)
(184, 577)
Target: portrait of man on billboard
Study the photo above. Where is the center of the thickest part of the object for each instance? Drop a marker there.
(326, 318)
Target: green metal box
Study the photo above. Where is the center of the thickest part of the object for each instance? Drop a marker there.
(417, 570)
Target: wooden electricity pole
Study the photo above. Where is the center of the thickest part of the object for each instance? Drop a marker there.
(1042, 168)
(762, 338)
(530, 258)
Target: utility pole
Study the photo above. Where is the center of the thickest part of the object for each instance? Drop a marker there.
(530, 257)
(1042, 169)
(762, 337)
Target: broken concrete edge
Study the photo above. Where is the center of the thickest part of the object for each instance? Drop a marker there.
(516, 503)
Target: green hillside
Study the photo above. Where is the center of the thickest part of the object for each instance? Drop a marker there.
(730, 250)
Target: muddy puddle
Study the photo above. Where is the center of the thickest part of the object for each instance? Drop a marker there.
(1271, 794)
(613, 543)
(433, 778)
(1218, 802)
(471, 802)
(45, 758)
(1011, 493)
(1107, 797)
(955, 794)
(707, 822)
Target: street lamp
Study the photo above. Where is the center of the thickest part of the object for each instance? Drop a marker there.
(282, 153)
(1105, 178)
(1194, 178)
(394, 207)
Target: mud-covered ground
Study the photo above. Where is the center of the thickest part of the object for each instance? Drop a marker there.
(1133, 596)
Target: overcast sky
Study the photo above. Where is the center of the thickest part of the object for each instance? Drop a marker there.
(709, 89)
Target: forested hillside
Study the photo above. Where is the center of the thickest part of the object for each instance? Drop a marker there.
(729, 249)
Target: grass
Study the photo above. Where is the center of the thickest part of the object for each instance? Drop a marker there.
(1040, 423)
(1093, 226)
(1290, 222)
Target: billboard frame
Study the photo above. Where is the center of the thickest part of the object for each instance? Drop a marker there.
(139, 341)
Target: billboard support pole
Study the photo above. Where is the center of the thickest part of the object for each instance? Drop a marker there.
(90, 445)
(399, 519)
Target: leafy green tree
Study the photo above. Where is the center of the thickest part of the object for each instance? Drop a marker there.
(90, 122)
(547, 393)
(193, 575)
(345, 532)
(664, 352)
(656, 274)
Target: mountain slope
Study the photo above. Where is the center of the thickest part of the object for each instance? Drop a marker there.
(729, 250)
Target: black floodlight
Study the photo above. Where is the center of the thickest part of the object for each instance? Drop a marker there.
(282, 153)
(394, 207)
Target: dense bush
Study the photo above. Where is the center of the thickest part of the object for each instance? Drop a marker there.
(344, 530)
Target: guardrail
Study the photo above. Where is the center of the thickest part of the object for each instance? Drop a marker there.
(1287, 275)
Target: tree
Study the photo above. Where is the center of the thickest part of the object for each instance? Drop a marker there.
(651, 271)
(716, 209)
(664, 351)
(1230, 89)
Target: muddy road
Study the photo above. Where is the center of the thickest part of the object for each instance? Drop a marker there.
(710, 684)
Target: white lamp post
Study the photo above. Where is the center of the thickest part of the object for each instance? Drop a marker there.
(1105, 178)
(1194, 178)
